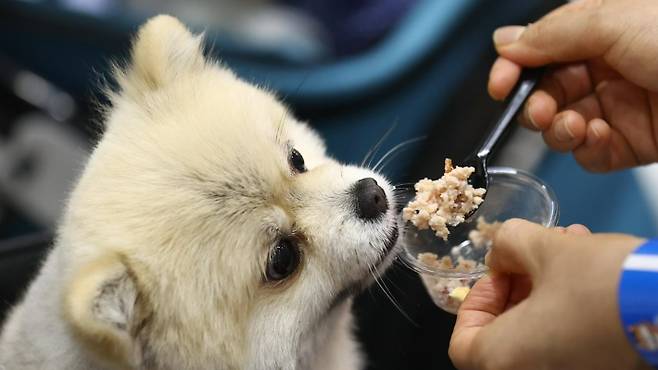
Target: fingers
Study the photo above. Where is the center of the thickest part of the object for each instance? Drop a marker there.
(486, 301)
(570, 33)
(567, 131)
(520, 288)
(604, 149)
(631, 107)
(521, 247)
(569, 128)
(559, 87)
(567, 83)
(544, 41)
(539, 111)
(575, 229)
(578, 229)
(502, 78)
(481, 325)
(594, 155)
(518, 248)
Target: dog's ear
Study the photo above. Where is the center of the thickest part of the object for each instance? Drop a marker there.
(106, 310)
(163, 51)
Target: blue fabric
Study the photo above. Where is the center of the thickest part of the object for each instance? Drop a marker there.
(354, 25)
(408, 77)
(603, 202)
(638, 300)
(415, 104)
(428, 25)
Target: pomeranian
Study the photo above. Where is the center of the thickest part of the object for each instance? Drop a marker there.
(209, 230)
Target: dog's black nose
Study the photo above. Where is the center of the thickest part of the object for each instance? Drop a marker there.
(370, 199)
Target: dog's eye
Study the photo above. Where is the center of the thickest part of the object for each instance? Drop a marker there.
(297, 161)
(283, 260)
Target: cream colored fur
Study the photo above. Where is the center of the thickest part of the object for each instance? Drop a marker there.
(160, 257)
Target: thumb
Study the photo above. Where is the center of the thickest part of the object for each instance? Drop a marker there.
(520, 247)
(573, 32)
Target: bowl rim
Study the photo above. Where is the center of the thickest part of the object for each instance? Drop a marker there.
(412, 262)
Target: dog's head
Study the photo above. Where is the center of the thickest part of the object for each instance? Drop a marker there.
(209, 226)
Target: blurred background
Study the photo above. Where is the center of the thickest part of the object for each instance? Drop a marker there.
(352, 68)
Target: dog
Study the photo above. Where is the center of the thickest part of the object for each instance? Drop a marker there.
(208, 230)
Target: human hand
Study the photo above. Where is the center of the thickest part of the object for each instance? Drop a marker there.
(600, 98)
(549, 303)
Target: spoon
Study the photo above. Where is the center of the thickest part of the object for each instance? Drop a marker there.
(480, 158)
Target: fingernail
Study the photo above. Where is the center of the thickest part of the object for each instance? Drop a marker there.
(507, 35)
(562, 131)
(529, 115)
(593, 136)
(487, 258)
(600, 86)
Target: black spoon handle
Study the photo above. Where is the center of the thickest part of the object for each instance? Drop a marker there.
(527, 82)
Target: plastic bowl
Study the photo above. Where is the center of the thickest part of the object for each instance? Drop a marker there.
(512, 193)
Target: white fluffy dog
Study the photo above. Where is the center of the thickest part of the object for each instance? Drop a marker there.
(209, 230)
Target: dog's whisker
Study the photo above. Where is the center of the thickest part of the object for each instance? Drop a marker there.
(397, 148)
(404, 186)
(389, 160)
(388, 294)
(404, 263)
(369, 289)
(384, 287)
(392, 282)
(375, 276)
(279, 129)
(370, 154)
(301, 83)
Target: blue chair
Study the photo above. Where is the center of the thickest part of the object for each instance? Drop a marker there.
(406, 78)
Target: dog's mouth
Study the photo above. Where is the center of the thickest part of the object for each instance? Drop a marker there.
(389, 245)
(377, 268)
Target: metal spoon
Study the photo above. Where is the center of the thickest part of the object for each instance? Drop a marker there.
(480, 158)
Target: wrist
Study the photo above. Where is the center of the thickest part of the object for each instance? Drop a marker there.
(638, 301)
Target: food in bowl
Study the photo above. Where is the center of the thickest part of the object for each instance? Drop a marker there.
(511, 193)
(443, 202)
(447, 293)
(483, 233)
(450, 292)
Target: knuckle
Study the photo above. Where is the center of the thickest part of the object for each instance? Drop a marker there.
(544, 241)
(478, 357)
(484, 358)
(589, 164)
(552, 142)
(507, 230)
(597, 20)
(523, 117)
(645, 156)
(533, 30)
(456, 357)
(512, 224)
(590, 4)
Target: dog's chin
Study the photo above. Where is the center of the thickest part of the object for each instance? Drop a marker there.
(390, 251)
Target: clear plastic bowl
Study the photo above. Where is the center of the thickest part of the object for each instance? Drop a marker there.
(512, 193)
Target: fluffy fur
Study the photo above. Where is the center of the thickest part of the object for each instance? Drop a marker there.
(161, 254)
